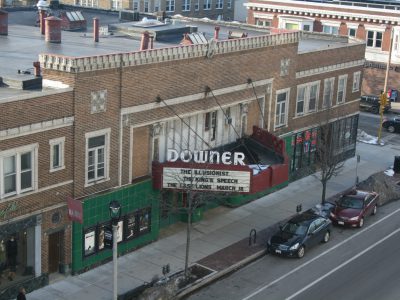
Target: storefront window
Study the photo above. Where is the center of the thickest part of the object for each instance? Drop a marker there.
(89, 241)
(130, 226)
(144, 221)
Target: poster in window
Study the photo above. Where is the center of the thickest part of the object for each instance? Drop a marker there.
(120, 231)
(130, 227)
(144, 221)
(89, 242)
(100, 237)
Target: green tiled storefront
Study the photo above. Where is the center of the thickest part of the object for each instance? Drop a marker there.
(137, 200)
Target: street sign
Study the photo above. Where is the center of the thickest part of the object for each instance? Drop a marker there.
(108, 238)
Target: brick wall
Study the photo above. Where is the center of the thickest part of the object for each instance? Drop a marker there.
(34, 110)
(141, 145)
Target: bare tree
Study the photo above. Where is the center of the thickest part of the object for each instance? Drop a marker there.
(329, 152)
(194, 198)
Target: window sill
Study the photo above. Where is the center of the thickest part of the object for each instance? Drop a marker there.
(57, 169)
(94, 182)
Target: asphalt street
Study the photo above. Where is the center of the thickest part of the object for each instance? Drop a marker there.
(355, 264)
(369, 122)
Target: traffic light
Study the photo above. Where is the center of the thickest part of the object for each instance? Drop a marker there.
(383, 99)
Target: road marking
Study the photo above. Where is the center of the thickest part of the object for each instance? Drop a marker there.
(342, 265)
(320, 255)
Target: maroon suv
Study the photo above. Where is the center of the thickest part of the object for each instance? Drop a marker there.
(353, 207)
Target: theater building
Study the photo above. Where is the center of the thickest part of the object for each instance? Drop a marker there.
(242, 114)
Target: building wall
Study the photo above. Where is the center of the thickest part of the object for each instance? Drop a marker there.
(341, 16)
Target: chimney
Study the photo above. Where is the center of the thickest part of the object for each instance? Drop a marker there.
(36, 70)
(53, 30)
(42, 17)
(96, 29)
(216, 32)
(3, 22)
(144, 43)
(151, 42)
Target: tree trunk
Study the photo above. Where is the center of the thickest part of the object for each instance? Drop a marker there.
(323, 192)
(188, 229)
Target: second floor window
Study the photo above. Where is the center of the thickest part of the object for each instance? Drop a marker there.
(330, 29)
(17, 168)
(341, 95)
(56, 154)
(170, 5)
(281, 108)
(197, 5)
(146, 6)
(229, 4)
(207, 4)
(307, 97)
(356, 81)
(352, 32)
(97, 155)
(219, 4)
(374, 39)
(135, 6)
(185, 5)
(328, 92)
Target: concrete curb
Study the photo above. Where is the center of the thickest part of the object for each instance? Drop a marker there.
(222, 273)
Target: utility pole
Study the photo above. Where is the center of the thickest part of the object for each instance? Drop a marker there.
(383, 96)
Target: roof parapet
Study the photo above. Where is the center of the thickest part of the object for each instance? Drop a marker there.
(108, 61)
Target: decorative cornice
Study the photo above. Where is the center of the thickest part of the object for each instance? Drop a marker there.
(326, 12)
(108, 61)
(331, 68)
(35, 128)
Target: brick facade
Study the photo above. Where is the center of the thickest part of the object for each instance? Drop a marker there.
(237, 74)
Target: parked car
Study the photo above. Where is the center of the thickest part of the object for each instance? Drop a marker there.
(353, 207)
(371, 103)
(299, 233)
(392, 124)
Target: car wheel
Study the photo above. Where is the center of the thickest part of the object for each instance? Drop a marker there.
(375, 110)
(374, 210)
(327, 236)
(391, 128)
(301, 252)
(361, 223)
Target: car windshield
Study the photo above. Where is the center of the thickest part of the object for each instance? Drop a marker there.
(295, 228)
(350, 202)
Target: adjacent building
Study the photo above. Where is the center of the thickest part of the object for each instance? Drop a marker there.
(98, 125)
(375, 22)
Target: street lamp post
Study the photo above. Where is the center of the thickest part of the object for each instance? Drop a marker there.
(115, 214)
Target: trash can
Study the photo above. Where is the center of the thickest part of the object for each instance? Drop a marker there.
(396, 166)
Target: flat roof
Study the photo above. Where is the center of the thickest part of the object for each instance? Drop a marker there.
(24, 42)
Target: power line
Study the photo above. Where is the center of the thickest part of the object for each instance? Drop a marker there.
(208, 90)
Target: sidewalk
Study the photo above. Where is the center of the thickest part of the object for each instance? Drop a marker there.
(220, 240)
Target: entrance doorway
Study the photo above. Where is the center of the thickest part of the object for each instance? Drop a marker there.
(55, 246)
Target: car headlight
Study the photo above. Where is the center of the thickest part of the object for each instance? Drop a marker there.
(332, 215)
(295, 246)
(354, 218)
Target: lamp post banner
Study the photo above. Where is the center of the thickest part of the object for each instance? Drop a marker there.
(75, 211)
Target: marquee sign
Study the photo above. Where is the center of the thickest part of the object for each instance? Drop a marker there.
(206, 180)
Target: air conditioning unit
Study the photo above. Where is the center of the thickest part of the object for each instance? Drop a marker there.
(228, 121)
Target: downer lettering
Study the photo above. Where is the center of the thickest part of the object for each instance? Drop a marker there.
(203, 157)
(206, 180)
